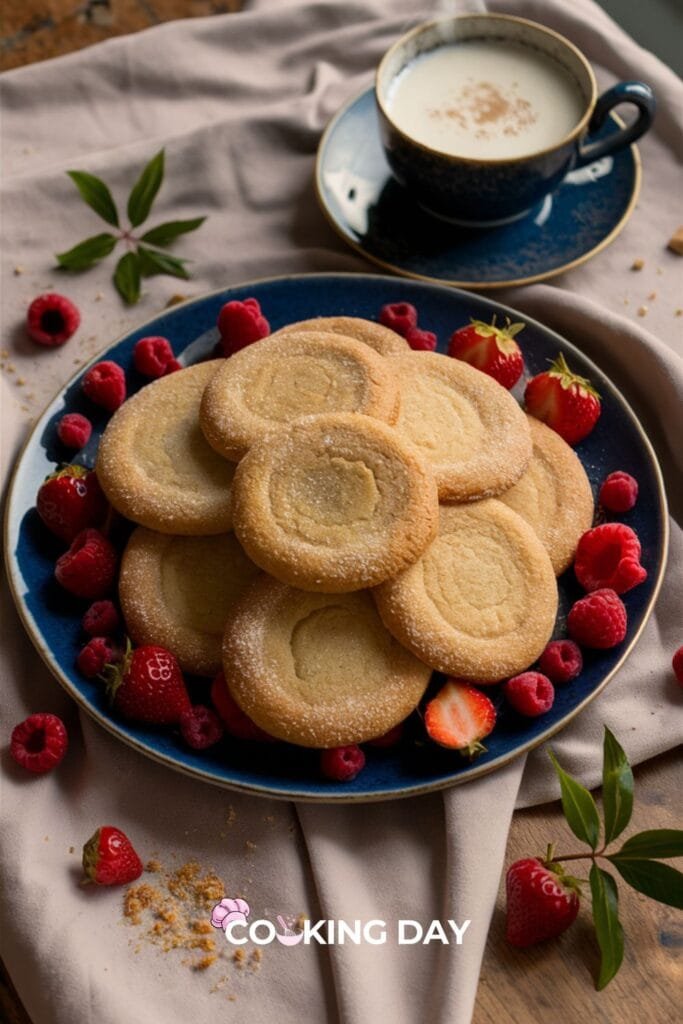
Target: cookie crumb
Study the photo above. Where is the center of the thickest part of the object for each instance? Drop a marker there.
(71, 849)
(232, 815)
(675, 243)
(153, 866)
(249, 845)
(18, 271)
(239, 956)
(642, 310)
(175, 300)
(20, 381)
(652, 296)
(638, 264)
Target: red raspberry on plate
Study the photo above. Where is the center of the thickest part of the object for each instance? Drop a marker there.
(677, 665)
(389, 739)
(561, 661)
(71, 500)
(540, 903)
(619, 492)
(52, 319)
(341, 764)
(491, 349)
(609, 556)
(530, 693)
(92, 658)
(398, 316)
(171, 366)
(421, 341)
(148, 686)
(598, 620)
(200, 727)
(74, 430)
(152, 356)
(39, 743)
(88, 568)
(236, 722)
(109, 858)
(105, 385)
(101, 619)
(240, 324)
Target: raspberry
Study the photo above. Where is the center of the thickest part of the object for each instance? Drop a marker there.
(101, 619)
(52, 319)
(74, 430)
(171, 366)
(88, 568)
(97, 653)
(39, 743)
(236, 722)
(399, 317)
(421, 341)
(561, 661)
(341, 764)
(531, 693)
(609, 556)
(151, 356)
(105, 385)
(677, 665)
(619, 492)
(389, 739)
(240, 324)
(201, 727)
(598, 620)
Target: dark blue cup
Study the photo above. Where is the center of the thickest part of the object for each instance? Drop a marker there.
(484, 192)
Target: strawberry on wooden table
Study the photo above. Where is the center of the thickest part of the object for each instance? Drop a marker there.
(567, 403)
(542, 902)
(491, 349)
(109, 858)
(70, 500)
(459, 717)
(148, 686)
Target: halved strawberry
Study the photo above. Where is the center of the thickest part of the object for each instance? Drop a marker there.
(491, 349)
(459, 717)
(564, 401)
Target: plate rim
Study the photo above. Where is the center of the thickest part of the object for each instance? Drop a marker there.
(447, 282)
(475, 771)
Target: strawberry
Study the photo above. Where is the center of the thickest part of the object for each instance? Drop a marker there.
(459, 717)
(70, 500)
(109, 858)
(566, 402)
(148, 686)
(491, 349)
(542, 902)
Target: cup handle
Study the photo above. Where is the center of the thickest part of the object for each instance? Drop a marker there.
(624, 92)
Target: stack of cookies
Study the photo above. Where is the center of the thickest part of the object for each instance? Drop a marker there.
(329, 516)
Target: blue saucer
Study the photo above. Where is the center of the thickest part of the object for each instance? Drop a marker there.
(378, 217)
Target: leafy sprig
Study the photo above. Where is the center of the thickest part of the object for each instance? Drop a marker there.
(637, 861)
(144, 256)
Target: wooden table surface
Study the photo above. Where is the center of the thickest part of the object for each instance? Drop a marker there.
(552, 982)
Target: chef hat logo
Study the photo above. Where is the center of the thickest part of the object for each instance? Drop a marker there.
(227, 911)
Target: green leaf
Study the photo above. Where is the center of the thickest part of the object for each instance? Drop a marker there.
(578, 806)
(609, 932)
(88, 252)
(145, 189)
(96, 194)
(617, 788)
(653, 844)
(154, 262)
(658, 881)
(164, 234)
(127, 277)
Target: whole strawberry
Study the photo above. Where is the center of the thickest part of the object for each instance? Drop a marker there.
(109, 858)
(541, 903)
(148, 686)
(564, 401)
(71, 500)
(491, 349)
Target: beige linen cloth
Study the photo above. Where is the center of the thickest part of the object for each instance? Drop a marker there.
(239, 102)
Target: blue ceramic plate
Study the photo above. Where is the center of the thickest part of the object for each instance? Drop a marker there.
(52, 618)
(378, 217)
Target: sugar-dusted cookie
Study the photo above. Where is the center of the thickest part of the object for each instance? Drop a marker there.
(334, 503)
(319, 670)
(178, 591)
(470, 429)
(155, 465)
(267, 385)
(383, 340)
(481, 602)
(553, 495)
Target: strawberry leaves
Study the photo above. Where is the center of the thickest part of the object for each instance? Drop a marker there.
(141, 260)
(579, 807)
(610, 934)
(617, 788)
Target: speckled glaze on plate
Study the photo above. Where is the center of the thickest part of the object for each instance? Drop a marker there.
(52, 618)
(380, 219)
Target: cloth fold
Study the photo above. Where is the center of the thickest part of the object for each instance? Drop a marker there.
(239, 102)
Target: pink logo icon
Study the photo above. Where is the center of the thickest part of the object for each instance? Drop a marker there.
(227, 911)
(288, 937)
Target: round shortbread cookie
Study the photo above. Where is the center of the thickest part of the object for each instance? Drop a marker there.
(178, 592)
(481, 602)
(553, 495)
(334, 503)
(318, 670)
(468, 428)
(265, 386)
(155, 465)
(382, 339)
